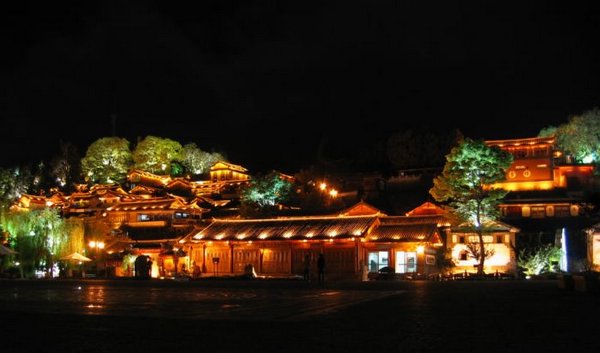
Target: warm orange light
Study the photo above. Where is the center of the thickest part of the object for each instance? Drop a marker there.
(322, 186)
(333, 193)
(420, 249)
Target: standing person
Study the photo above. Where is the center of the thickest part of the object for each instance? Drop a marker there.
(307, 267)
(321, 266)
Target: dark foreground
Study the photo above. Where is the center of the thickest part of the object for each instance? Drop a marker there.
(417, 316)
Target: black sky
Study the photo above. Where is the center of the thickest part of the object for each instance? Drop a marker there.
(263, 82)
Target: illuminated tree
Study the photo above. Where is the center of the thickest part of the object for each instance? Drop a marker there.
(156, 154)
(41, 237)
(469, 170)
(197, 161)
(580, 137)
(264, 194)
(107, 161)
(543, 258)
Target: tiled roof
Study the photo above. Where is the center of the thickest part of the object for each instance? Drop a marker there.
(287, 228)
(407, 220)
(404, 233)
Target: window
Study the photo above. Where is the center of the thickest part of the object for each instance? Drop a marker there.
(461, 239)
(538, 212)
(430, 259)
(143, 217)
(183, 215)
(406, 262)
(463, 255)
(499, 239)
(378, 260)
(562, 211)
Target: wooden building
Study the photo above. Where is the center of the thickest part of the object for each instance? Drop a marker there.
(548, 197)
(361, 238)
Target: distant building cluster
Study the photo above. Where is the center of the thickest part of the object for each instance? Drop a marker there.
(190, 228)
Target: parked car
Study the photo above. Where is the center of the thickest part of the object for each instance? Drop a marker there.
(385, 273)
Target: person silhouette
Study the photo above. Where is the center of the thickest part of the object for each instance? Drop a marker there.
(321, 267)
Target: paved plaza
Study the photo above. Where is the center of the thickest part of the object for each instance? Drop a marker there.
(292, 316)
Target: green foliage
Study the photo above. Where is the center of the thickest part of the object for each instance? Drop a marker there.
(264, 194)
(107, 160)
(41, 237)
(13, 183)
(541, 259)
(197, 161)
(470, 169)
(580, 137)
(155, 154)
(548, 131)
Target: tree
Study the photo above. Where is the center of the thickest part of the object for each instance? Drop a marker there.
(543, 258)
(197, 161)
(470, 169)
(156, 154)
(13, 183)
(264, 193)
(41, 237)
(580, 137)
(107, 160)
(65, 166)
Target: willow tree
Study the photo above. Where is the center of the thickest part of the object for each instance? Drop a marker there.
(470, 169)
(156, 154)
(41, 237)
(106, 161)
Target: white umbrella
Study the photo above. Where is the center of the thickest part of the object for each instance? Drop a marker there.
(77, 257)
(6, 251)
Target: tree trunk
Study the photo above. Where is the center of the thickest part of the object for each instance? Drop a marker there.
(481, 253)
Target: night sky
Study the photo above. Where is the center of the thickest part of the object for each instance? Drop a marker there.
(265, 82)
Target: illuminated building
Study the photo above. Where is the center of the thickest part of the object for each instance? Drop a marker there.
(548, 193)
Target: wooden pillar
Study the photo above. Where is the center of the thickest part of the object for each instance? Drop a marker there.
(231, 257)
(203, 257)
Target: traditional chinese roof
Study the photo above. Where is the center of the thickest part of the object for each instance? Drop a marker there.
(437, 220)
(426, 209)
(361, 209)
(220, 165)
(423, 233)
(144, 190)
(27, 201)
(299, 228)
(101, 189)
(142, 204)
(148, 178)
(179, 183)
(528, 141)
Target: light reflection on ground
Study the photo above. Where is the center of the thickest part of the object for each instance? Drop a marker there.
(182, 302)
